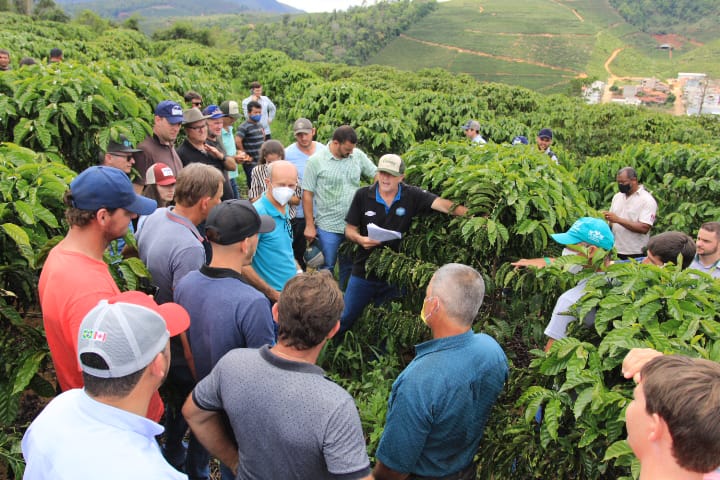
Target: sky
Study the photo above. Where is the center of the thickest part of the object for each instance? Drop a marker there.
(324, 5)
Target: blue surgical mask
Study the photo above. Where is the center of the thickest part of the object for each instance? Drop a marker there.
(255, 118)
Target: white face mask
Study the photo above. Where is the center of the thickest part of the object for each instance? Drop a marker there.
(282, 195)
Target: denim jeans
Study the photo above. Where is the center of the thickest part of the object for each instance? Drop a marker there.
(193, 459)
(358, 294)
(233, 184)
(329, 244)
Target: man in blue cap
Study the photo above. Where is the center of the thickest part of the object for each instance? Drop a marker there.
(160, 146)
(544, 140)
(585, 237)
(101, 203)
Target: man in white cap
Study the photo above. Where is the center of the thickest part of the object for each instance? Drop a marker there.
(101, 431)
(389, 204)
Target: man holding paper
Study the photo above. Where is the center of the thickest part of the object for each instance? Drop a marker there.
(377, 214)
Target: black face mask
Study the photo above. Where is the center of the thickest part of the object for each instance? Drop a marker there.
(624, 188)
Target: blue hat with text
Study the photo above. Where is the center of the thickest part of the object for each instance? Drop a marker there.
(589, 230)
(213, 112)
(107, 187)
(172, 111)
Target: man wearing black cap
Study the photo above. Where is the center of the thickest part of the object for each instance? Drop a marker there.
(160, 146)
(101, 432)
(544, 140)
(225, 311)
(101, 203)
(119, 154)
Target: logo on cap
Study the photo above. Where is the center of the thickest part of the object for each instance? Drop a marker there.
(96, 335)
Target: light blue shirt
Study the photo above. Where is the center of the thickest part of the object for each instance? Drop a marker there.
(298, 158)
(78, 438)
(228, 141)
(274, 261)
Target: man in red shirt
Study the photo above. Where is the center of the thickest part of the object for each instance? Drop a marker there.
(101, 203)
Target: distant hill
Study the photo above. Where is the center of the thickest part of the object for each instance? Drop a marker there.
(695, 19)
(119, 9)
(541, 44)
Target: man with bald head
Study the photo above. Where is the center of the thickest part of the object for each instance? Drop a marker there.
(274, 263)
(440, 403)
(632, 214)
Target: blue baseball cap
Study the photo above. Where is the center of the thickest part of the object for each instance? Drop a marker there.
(107, 187)
(170, 110)
(213, 112)
(545, 132)
(589, 230)
(520, 140)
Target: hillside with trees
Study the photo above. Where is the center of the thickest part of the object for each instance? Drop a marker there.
(691, 18)
(55, 118)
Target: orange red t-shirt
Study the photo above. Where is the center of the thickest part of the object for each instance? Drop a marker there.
(71, 284)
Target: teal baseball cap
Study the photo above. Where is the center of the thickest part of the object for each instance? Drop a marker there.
(589, 230)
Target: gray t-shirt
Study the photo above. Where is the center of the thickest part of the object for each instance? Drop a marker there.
(171, 247)
(289, 420)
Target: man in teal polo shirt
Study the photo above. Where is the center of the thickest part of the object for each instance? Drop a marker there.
(331, 178)
(274, 263)
(440, 403)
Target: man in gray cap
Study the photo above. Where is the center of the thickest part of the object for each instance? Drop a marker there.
(298, 154)
(472, 131)
(101, 431)
(160, 146)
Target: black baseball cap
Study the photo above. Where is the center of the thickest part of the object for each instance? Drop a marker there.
(235, 220)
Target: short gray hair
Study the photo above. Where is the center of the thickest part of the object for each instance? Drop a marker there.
(461, 290)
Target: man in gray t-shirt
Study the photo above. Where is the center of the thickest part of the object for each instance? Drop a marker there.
(288, 419)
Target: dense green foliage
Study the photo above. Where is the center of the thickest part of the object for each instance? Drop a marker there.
(516, 197)
(665, 16)
(344, 37)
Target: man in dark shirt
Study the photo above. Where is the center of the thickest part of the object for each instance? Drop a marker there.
(197, 149)
(160, 146)
(389, 204)
(250, 137)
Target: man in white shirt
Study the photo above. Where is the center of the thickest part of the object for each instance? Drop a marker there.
(101, 431)
(631, 216)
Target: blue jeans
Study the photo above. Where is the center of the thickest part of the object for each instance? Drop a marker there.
(193, 459)
(329, 244)
(233, 184)
(358, 294)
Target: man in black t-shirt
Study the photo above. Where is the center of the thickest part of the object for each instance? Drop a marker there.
(388, 204)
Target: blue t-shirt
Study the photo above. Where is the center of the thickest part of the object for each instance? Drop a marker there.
(440, 403)
(225, 313)
(274, 261)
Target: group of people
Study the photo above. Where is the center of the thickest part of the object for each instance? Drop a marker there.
(543, 140)
(55, 56)
(235, 326)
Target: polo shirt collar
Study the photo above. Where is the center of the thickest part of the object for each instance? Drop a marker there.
(215, 272)
(270, 208)
(380, 200)
(284, 364)
(444, 343)
(714, 265)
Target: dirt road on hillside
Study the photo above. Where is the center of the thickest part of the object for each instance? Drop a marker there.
(488, 55)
